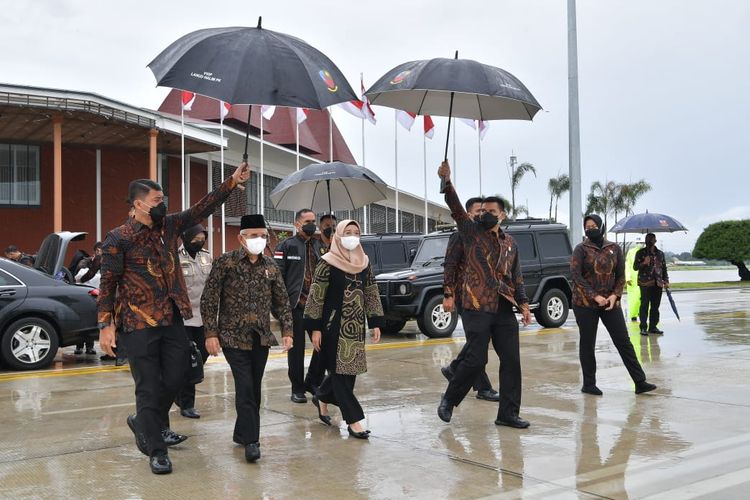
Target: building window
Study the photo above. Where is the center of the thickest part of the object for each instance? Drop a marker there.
(19, 175)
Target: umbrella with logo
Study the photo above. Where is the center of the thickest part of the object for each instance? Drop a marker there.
(648, 223)
(459, 88)
(329, 186)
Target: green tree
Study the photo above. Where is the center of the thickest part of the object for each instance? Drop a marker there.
(515, 180)
(631, 193)
(557, 186)
(602, 199)
(726, 240)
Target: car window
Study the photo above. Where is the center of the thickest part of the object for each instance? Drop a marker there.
(526, 249)
(392, 253)
(8, 280)
(554, 244)
(369, 249)
(432, 249)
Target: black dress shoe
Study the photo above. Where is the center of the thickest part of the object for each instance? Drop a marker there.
(140, 439)
(106, 357)
(299, 398)
(644, 332)
(592, 389)
(120, 361)
(445, 410)
(190, 413)
(252, 452)
(643, 386)
(326, 419)
(171, 438)
(488, 395)
(515, 422)
(656, 331)
(90, 352)
(447, 373)
(78, 352)
(160, 463)
(358, 435)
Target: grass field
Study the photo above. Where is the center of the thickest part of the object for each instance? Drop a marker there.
(709, 285)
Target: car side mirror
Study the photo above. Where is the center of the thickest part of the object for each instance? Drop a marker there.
(412, 254)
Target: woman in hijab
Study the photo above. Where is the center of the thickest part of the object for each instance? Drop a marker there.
(343, 301)
(598, 272)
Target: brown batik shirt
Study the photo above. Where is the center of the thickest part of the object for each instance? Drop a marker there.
(492, 267)
(596, 271)
(239, 298)
(140, 270)
(653, 273)
(454, 256)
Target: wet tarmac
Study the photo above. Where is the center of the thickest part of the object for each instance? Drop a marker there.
(63, 432)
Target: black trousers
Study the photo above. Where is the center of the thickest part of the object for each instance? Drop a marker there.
(482, 382)
(247, 370)
(88, 341)
(158, 360)
(296, 358)
(650, 302)
(502, 329)
(614, 322)
(339, 390)
(186, 397)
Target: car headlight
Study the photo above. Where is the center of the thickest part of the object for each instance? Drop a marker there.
(403, 289)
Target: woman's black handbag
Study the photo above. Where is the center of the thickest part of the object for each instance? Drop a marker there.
(195, 370)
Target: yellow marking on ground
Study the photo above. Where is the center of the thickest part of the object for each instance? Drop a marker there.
(72, 372)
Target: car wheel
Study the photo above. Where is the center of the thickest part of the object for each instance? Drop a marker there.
(28, 344)
(434, 321)
(392, 327)
(553, 309)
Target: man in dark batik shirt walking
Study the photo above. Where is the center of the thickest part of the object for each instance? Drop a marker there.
(652, 279)
(143, 292)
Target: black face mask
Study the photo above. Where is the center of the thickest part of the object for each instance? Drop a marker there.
(328, 232)
(651, 243)
(194, 247)
(158, 213)
(488, 221)
(309, 229)
(593, 234)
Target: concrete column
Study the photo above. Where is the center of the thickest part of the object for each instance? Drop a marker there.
(98, 194)
(152, 135)
(57, 172)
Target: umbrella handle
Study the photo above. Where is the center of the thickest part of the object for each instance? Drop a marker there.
(443, 183)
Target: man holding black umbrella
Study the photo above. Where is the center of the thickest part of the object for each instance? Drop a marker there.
(492, 287)
(652, 279)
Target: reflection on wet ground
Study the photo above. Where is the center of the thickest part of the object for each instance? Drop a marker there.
(64, 433)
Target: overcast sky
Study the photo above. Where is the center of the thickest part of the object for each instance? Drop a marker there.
(663, 84)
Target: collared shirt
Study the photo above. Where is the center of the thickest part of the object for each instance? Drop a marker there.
(454, 256)
(653, 273)
(596, 271)
(141, 270)
(239, 298)
(195, 271)
(492, 267)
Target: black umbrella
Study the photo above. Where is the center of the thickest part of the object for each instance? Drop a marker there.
(648, 223)
(328, 185)
(454, 87)
(671, 303)
(241, 65)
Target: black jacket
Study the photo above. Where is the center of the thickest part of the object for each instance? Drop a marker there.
(290, 256)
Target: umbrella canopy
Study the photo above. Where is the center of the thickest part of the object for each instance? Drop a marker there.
(648, 223)
(241, 65)
(476, 91)
(329, 186)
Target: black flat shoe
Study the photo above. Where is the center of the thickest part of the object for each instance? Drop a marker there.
(445, 410)
(592, 389)
(120, 361)
(190, 413)
(326, 419)
(656, 331)
(489, 395)
(252, 452)
(643, 386)
(160, 463)
(358, 435)
(515, 422)
(171, 438)
(644, 332)
(140, 439)
(299, 398)
(447, 373)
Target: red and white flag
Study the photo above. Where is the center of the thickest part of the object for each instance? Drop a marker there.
(354, 108)
(367, 109)
(267, 111)
(224, 108)
(469, 123)
(302, 114)
(483, 126)
(405, 118)
(188, 98)
(429, 126)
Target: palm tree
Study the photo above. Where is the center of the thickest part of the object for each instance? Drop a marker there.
(632, 192)
(516, 176)
(563, 187)
(602, 199)
(552, 186)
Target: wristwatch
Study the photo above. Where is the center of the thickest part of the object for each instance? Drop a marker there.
(102, 325)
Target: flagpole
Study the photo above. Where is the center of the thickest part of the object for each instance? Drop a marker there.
(395, 141)
(424, 154)
(223, 205)
(261, 200)
(455, 168)
(296, 135)
(182, 141)
(364, 209)
(479, 148)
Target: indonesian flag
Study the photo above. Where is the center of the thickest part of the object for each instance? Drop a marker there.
(354, 108)
(429, 126)
(224, 108)
(470, 123)
(405, 118)
(367, 109)
(483, 126)
(302, 114)
(188, 98)
(267, 111)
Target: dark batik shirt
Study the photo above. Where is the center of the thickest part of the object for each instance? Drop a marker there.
(653, 273)
(140, 272)
(492, 267)
(454, 256)
(310, 261)
(239, 298)
(596, 271)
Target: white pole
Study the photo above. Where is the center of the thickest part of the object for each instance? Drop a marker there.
(296, 135)
(210, 187)
(479, 148)
(261, 197)
(395, 162)
(223, 208)
(364, 209)
(182, 123)
(455, 167)
(424, 154)
(98, 194)
(574, 138)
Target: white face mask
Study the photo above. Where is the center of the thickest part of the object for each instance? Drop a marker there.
(255, 245)
(350, 242)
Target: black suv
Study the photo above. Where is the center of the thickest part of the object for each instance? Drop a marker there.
(417, 292)
(390, 251)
